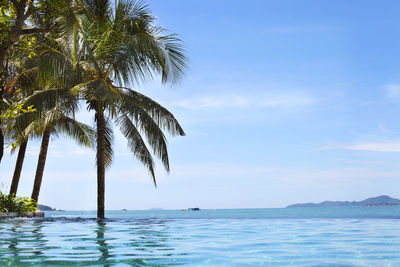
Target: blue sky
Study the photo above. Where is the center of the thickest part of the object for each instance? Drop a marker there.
(284, 102)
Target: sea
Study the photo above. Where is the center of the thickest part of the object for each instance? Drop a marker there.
(334, 236)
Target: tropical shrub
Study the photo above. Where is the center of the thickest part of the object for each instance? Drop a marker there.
(21, 205)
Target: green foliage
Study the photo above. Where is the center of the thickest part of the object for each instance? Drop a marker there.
(14, 111)
(21, 205)
(103, 50)
(7, 16)
(26, 48)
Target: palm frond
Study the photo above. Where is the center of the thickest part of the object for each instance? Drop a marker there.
(98, 11)
(46, 119)
(165, 119)
(54, 65)
(83, 134)
(96, 90)
(173, 55)
(136, 144)
(69, 22)
(10, 86)
(154, 135)
(48, 98)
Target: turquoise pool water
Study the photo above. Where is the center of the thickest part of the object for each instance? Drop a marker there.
(248, 237)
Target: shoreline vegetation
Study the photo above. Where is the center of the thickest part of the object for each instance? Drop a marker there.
(11, 206)
(59, 56)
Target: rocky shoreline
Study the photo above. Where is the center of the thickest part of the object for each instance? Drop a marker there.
(37, 214)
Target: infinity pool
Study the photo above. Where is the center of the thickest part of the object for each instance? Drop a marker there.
(202, 238)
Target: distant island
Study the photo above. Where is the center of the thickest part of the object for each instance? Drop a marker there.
(369, 202)
(42, 207)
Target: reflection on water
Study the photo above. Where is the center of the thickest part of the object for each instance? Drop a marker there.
(22, 241)
(85, 242)
(103, 247)
(199, 242)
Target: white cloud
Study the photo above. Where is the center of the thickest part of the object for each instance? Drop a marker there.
(223, 174)
(240, 101)
(388, 146)
(393, 90)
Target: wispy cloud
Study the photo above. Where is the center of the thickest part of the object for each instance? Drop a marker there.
(393, 90)
(240, 101)
(386, 146)
(222, 175)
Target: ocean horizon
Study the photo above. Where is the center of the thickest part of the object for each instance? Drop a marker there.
(383, 212)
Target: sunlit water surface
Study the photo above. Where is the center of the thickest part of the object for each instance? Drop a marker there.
(248, 237)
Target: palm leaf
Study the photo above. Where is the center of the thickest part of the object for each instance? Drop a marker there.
(54, 65)
(80, 132)
(136, 144)
(161, 115)
(151, 130)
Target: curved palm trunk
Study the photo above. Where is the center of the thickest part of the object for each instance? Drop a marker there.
(100, 163)
(40, 166)
(18, 168)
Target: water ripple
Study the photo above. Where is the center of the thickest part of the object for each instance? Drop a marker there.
(68, 241)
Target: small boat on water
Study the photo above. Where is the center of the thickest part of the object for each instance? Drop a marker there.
(191, 209)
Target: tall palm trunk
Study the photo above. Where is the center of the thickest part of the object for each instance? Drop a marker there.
(18, 168)
(100, 162)
(40, 166)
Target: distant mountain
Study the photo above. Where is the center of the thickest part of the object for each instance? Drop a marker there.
(373, 201)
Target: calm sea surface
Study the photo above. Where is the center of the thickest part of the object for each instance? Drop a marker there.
(354, 236)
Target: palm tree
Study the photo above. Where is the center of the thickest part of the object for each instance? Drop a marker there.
(18, 88)
(59, 119)
(113, 48)
(13, 131)
(54, 113)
